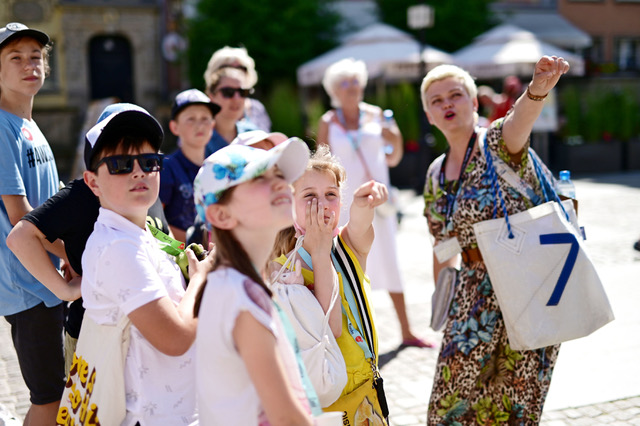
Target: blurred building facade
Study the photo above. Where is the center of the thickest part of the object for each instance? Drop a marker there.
(613, 27)
(130, 49)
(101, 49)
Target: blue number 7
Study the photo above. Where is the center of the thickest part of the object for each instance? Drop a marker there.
(566, 238)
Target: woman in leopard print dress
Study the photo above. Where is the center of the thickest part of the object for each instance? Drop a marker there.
(479, 378)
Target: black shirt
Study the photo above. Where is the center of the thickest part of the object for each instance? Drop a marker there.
(70, 215)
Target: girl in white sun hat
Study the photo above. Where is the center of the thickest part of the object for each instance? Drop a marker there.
(248, 371)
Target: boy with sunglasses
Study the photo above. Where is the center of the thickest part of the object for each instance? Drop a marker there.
(192, 121)
(28, 177)
(69, 216)
(127, 274)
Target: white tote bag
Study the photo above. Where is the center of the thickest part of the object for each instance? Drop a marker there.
(94, 392)
(318, 347)
(545, 282)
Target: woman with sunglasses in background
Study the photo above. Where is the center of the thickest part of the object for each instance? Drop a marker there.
(228, 88)
(367, 144)
(238, 58)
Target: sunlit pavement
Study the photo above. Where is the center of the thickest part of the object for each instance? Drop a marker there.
(597, 378)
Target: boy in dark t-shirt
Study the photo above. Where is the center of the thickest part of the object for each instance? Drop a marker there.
(69, 216)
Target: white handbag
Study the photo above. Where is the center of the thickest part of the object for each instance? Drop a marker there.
(94, 392)
(318, 347)
(544, 280)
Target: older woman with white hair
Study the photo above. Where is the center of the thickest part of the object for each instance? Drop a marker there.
(238, 58)
(367, 144)
(479, 379)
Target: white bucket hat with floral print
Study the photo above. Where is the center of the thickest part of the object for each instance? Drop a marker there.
(235, 164)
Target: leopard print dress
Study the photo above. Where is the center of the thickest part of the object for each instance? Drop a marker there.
(479, 379)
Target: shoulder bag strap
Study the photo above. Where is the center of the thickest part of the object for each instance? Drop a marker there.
(547, 188)
(509, 175)
(356, 300)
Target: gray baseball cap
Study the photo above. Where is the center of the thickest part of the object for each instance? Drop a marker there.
(15, 29)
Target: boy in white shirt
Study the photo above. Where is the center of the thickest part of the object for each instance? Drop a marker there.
(126, 273)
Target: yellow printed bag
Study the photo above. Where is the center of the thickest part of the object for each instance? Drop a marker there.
(360, 407)
(94, 393)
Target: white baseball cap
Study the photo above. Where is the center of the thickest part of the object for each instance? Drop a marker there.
(235, 164)
(254, 136)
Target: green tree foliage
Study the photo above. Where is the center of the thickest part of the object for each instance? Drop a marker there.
(279, 34)
(284, 109)
(455, 24)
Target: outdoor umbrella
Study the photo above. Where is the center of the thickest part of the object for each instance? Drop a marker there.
(387, 52)
(509, 50)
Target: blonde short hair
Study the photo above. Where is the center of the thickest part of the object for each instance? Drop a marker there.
(342, 70)
(445, 71)
(225, 57)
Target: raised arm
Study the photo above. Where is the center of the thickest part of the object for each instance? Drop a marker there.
(519, 122)
(358, 232)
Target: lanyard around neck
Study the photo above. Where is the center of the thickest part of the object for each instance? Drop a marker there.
(465, 161)
(355, 142)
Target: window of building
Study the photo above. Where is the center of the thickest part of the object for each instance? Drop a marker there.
(595, 53)
(628, 53)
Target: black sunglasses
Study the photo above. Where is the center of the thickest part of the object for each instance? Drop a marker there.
(229, 92)
(123, 164)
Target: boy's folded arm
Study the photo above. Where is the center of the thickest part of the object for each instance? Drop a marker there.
(32, 249)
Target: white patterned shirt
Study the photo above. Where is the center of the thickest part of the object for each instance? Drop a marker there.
(125, 269)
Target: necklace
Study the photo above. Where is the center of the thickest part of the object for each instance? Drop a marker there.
(355, 142)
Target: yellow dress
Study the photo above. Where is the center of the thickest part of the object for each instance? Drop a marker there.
(359, 400)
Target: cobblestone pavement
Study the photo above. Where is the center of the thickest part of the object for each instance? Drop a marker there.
(596, 379)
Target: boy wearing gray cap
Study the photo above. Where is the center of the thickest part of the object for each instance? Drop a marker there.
(28, 177)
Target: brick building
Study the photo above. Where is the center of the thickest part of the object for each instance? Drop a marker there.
(101, 48)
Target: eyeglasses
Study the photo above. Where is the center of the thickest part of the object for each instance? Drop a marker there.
(229, 92)
(123, 164)
(351, 82)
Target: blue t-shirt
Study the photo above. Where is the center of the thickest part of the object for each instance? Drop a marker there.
(176, 189)
(216, 142)
(27, 167)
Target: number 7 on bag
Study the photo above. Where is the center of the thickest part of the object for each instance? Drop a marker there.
(564, 238)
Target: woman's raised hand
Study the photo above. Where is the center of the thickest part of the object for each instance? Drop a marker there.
(546, 74)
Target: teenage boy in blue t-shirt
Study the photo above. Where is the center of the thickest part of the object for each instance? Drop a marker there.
(192, 120)
(28, 177)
